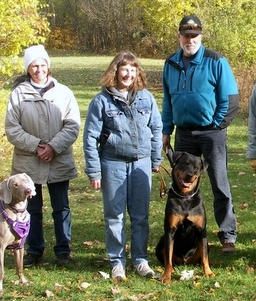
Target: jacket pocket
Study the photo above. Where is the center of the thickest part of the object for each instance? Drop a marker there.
(144, 115)
(114, 119)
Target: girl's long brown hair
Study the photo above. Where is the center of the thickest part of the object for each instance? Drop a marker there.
(109, 78)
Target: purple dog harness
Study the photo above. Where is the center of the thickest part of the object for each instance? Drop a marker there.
(19, 229)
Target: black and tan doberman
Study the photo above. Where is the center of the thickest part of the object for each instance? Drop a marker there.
(184, 240)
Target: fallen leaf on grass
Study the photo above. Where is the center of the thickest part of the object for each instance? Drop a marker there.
(49, 294)
(104, 275)
(241, 173)
(84, 285)
(244, 205)
(216, 284)
(90, 243)
(58, 287)
(186, 275)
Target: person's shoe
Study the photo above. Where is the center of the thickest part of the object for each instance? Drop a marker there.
(144, 270)
(63, 259)
(228, 247)
(31, 260)
(118, 273)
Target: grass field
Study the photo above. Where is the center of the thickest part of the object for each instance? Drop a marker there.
(234, 274)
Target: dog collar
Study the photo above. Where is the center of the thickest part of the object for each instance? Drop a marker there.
(18, 228)
(187, 196)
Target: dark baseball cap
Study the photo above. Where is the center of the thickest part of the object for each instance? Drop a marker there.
(190, 25)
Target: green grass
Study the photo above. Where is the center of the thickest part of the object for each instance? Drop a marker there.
(234, 274)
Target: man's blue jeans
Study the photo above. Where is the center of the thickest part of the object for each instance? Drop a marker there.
(61, 216)
(212, 145)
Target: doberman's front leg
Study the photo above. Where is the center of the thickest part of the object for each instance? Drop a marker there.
(199, 221)
(168, 254)
(205, 258)
(172, 220)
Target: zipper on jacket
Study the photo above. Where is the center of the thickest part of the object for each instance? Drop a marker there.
(184, 79)
(191, 78)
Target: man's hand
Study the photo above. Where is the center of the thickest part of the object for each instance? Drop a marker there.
(253, 164)
(166, 142)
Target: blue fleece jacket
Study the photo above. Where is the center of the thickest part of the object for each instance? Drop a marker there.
(205, 95)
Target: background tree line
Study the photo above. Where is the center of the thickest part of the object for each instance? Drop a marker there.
(149, 28)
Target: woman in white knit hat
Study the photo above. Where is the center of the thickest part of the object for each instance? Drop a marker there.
(42, 122)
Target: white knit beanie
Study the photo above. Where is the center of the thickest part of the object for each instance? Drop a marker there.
(35, 52)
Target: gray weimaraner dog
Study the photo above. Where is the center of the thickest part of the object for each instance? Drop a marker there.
(14, 220)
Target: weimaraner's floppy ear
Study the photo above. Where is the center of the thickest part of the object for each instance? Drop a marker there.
(31, 184)
(5, 192)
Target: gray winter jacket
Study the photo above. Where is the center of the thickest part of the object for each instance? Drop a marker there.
(53, 118)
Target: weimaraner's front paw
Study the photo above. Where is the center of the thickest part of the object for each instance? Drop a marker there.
(23, 280)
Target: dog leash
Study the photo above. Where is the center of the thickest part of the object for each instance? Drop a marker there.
(163, 187)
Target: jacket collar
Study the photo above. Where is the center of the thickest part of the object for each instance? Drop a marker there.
(117, 96)
(176, 59)
(27, 88)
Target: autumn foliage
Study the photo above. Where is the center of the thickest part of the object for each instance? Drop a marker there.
(22, 25)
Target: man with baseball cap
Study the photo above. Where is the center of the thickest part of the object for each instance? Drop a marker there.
(200, 101)
(190, 25)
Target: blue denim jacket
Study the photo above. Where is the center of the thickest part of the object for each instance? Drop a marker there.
(117, 130)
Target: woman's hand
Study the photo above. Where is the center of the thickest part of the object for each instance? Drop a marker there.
(96, 184)
(156, 169)
(45, 152)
